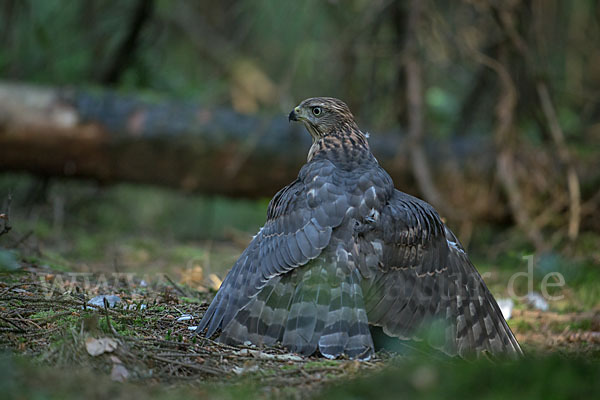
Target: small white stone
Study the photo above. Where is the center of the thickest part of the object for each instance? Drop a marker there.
(506, 307)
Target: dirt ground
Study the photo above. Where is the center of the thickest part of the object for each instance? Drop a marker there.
(145, 337)
(55, 344)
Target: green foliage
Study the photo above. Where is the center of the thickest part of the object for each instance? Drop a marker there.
(135, 225)
(530, 378)
(442, 110)
(349, 49)
(320, 364)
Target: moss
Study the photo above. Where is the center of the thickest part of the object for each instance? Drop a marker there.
(521, 326)
(50, 259)
(142, 321)
(321, 364)
(62, 320)
(268, 372)
(42, 314)
(582, 325)
(11, 278)
(190, 300)
(120, 327)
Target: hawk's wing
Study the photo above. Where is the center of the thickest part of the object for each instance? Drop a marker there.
(417, 273)
(300, 220)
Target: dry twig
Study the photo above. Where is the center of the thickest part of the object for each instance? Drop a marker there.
(176, 286)
(505, 109)
(506, 21)
(564, 156)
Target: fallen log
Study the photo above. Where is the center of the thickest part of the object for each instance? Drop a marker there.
(111, 137)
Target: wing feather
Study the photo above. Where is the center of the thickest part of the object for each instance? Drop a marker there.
(423, 276)
(300, 220)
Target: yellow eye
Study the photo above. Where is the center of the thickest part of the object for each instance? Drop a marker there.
(316, 111)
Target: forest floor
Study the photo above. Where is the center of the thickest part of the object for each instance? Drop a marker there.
(163, 255)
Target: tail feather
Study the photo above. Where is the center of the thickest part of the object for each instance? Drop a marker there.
(260, 315)
(323, 301)
(347, 329)
(307, 310)
(360, 343)
(280, 304)
(301, 321)
(261, 320)
(335, 335)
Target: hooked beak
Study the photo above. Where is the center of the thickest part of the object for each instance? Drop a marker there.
(294, 114)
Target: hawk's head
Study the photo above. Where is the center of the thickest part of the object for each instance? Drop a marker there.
(323, 116)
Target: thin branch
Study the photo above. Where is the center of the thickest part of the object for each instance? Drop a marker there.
(507, 176)
(507, 24)
(414, 97)
(564, 156)
(193, 365)
(112, 329)
(19, 329)
(141, 14)
(505, 159)
(177, 287)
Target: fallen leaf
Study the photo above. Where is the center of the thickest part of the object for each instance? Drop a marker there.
(95, 347)
(192, 276)
(214, 281)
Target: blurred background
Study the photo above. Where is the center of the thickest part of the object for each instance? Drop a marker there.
(149, 135)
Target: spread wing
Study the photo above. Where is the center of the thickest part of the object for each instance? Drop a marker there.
(417, 273)
(300, 220)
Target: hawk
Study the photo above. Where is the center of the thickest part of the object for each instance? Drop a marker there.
(342, 251)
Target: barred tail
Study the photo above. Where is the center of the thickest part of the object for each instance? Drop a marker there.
(347, 327)
(308, 309)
